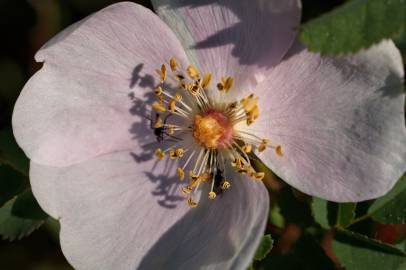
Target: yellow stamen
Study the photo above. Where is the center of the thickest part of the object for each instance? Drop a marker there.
(162, 73)
(173, 64)
(172, 154)
(206, 80)
(181, 173)
(204, 177)
(159, 154)
(158, 91)
(178, 97)
(179, 152)
(192, 72)
(278, 150)
(212, 195)
(159, 123)
(225, 185)
(186, 190)
(159, 107)
(172, 105)
(259, 176)
(247, 148)
(263, 145)
(170, 129)
(228, 84)
(191, 203)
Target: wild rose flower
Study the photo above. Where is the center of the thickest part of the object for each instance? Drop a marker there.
(111, 171)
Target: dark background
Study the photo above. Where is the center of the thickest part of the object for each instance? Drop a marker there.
(25, 25)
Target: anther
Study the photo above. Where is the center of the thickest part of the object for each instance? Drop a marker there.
(173, 64)
(159, 123)
(191, 203)
(192, 72)
(172, 154)
(159, 154)
(247, 148)
(278, 150)
(162, 73)
(181, 173)
(186, 190)
(158, 91)
(263, 145)
(179, 152)
(159, 107)
(225, 185)
(259, 176)
(212, 195)
(228, 83)
(172, 105)
(170, 129)
(206, 80)
(178, 97)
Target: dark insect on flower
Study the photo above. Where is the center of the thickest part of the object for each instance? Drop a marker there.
(161, 128)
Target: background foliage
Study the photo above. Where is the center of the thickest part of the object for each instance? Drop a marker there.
(303, 232)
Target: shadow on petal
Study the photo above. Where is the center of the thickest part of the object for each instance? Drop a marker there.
(259, 28)
(167, 190)
(200, 238)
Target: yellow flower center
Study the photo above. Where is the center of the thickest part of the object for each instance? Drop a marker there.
(212, 130)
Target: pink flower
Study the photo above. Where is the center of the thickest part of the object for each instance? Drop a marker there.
(330, 127)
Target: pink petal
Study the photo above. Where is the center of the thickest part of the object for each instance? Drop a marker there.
(77, 106)
(119, 213)
(340, 122)
(233, 38)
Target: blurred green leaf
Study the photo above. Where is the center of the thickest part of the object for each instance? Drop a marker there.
(355, 25)
(11, 183)
(358, 252)
(264, 247)
(345, 214)
(275, 217)
(20, 216)
(391, 208)
(10, 153)
(320, 212)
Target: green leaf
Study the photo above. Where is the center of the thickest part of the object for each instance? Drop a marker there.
(20, 216)
(355, 25)
(391, 208)
(11, 183)
(345, 214)
(275, 217)
(264, 247)
(11, 154)
(358, 252)
(320, 212)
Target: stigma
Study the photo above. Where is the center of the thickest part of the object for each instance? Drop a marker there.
(220, 131)
(212, 130)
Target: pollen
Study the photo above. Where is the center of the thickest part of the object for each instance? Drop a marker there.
(225, 185)
(159, 154)
(212, 130)
(181, 173)
(159, 107)
(212, 195)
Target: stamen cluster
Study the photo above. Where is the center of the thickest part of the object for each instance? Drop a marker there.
(218, 128)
